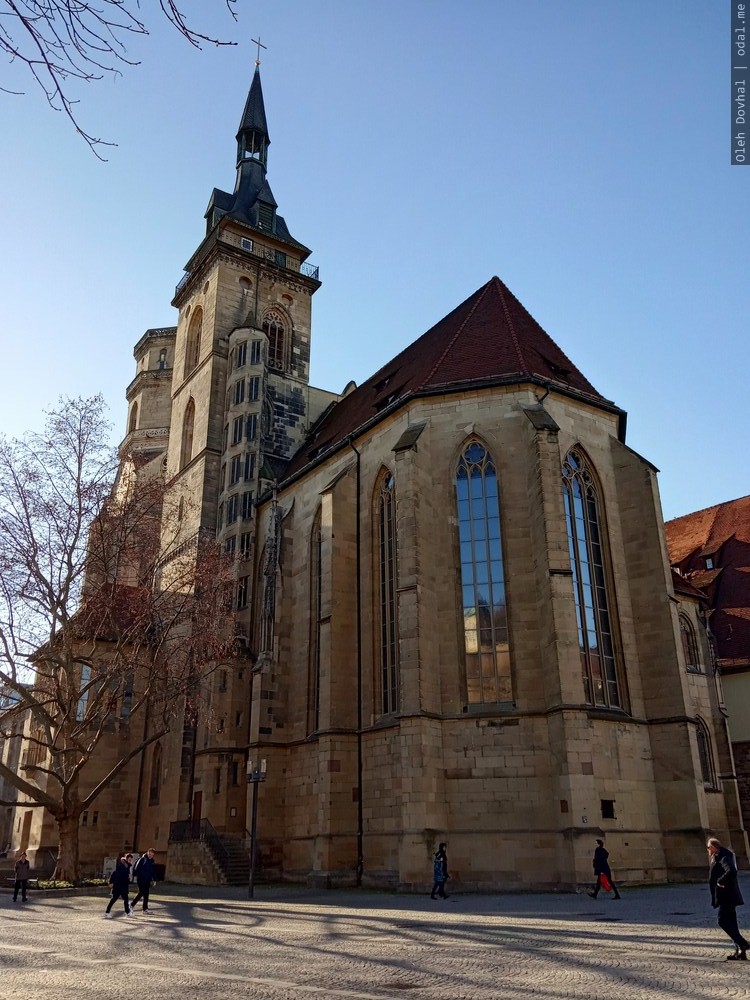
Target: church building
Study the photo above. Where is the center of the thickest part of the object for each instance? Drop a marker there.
(455, 611)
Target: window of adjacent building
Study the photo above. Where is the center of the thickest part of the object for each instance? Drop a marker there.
(85, 690)
(232, 508)
(253, 388)
(608, 808)
(85, 818)
(485, 615)
(223, 679)
(154, 788)
(273, 327)
(249, 465)
(133, 423)
(230, 545)
(242, 592)
(188, 426)
(217, 781)
(240, 355)
(95, 819)
(705, 754)
(193, 345)
(225, 437)
(316, 588)
(255, 352)
(235, 772)
(237, 427)
(586, 545)
(239, 392)
(238, 718)
(220, 517)
(236, 470)
(126, 705)
(245, 544)
(689, 646)
(387, 611)
(251, 428)
(247, 505)
(220, 726)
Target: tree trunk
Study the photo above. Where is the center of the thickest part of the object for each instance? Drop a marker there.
(67, 869)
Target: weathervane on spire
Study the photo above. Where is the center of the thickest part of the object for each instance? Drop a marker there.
(260, 45)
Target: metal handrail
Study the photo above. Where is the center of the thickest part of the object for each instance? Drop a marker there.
(186, 830)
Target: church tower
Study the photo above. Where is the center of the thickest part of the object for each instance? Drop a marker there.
(241, 405)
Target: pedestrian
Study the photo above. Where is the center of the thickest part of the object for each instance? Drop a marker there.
(120, 882)
(726, 895)
(602, 871)
(440, 872)
(22, 877)
(145, 876)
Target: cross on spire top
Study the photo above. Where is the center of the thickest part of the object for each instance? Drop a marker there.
(260, 45)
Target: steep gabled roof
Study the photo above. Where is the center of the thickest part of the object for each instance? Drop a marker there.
(721, 532)
(489, 339)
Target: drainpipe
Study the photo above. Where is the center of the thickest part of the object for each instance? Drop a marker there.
(360, 812)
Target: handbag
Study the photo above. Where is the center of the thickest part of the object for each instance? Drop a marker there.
(605, 884)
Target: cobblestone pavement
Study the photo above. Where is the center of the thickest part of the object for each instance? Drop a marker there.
(292, 944)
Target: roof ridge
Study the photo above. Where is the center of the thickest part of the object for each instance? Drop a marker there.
(711, 506)
(456, 335)
(524, 368)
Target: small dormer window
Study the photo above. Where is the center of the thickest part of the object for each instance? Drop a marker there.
(709, 562)
(265, 216)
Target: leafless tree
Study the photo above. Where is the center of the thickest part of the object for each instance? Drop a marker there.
(107, 614)
(60, 41)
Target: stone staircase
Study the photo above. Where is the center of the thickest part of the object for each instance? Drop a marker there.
(235, 864)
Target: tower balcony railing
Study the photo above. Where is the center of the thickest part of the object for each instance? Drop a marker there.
(278, 257)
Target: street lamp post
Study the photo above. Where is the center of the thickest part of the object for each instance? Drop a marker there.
(256, 772)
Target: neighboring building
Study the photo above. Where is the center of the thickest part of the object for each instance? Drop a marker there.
(456, 612)
(711, 550)
(10, 757)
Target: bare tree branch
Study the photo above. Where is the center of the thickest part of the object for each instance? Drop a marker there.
(59, 41)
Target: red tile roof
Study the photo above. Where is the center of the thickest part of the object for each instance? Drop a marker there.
(489, 339)
(721, 533)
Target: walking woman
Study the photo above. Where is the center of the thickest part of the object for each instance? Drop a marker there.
(440, 870)
(120, 882)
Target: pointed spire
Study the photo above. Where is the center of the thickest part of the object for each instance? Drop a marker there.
(253, 139)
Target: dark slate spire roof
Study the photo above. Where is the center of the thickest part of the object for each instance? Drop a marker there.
(490, 339)
(254, 115)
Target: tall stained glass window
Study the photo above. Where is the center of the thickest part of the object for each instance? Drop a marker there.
(386, 520)
(482, 578)
(316, 587)
(583, 518)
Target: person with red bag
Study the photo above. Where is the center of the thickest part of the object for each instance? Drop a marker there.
(603, 872)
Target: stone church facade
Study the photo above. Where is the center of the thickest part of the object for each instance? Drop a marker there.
(455, 611)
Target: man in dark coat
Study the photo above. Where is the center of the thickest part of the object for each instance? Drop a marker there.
(22, 877)
(726, 895)
(601, 867)
(145, 876)
(120, 882)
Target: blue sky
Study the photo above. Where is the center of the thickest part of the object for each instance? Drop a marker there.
(580, 151)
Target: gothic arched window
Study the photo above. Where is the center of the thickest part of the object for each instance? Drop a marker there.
(486, 639)
(188, 425)
(705, 754)
(587, 555)
(387, 610)
(689, 646)
(154, 790)
(133, 422)
(316, 615)
(193, 345)
(274, 329)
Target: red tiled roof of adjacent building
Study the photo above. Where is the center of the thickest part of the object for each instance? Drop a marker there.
(711, 547)
(488, 339)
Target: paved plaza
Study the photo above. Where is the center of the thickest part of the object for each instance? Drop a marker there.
(294, 944)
